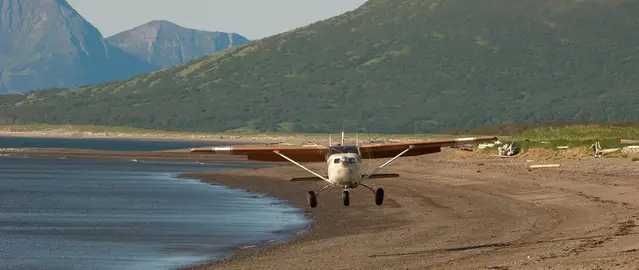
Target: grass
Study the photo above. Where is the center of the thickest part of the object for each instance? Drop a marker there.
(574, 136)
(542, 142)
(580, 133)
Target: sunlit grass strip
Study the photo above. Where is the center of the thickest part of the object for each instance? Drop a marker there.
(579, 133)
(574, 136)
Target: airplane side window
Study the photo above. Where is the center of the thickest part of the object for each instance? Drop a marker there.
(336, 160)
(351, 160)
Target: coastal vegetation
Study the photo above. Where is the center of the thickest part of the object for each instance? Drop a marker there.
(561, 133)
(581, 137)
(395, 66)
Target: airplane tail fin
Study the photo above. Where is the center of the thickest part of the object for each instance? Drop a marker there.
(342, 137)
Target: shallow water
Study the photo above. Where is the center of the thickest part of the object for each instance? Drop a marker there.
(99, 144)
(105, 214)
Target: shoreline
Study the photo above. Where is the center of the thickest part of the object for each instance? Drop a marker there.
(174, 155)
(240, 251)
(292, 235)
(325, 221)
(454, 207)
(161, 194)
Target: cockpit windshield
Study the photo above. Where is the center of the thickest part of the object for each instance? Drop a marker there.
(350, 160)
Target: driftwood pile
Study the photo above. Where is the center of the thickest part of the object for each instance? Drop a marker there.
(509, 150)
(631, 149)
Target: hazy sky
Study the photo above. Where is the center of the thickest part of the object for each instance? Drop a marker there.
(251, 18)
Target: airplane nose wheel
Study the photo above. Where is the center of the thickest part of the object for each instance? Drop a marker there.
(379, 196)
(312, 199)
(346, 197)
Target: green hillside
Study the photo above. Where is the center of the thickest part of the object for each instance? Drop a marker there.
(390, 66)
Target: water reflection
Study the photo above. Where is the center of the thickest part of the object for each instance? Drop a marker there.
(65, 214)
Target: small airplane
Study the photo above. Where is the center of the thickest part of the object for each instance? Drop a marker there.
(344, 161)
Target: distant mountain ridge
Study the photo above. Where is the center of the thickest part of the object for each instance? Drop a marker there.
(47, 44)
(167, 44)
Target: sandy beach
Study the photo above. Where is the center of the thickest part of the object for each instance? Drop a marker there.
(450, 210)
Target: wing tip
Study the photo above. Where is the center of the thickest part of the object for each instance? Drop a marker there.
(481, 138)
(222, 149)
(216, 150)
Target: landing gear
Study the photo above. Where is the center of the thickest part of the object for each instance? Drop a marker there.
(312, 199)
(312, 196)
(346, 197)
(379, 196)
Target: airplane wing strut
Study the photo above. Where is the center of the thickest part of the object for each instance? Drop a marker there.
(388, 162)
(299, 165)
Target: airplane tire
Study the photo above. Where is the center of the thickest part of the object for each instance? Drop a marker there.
(379, 196)
(346, 196)
(312, 199)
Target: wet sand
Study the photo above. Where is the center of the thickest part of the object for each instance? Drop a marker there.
(452, 210)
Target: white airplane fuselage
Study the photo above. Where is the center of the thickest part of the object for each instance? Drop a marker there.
(344, 170)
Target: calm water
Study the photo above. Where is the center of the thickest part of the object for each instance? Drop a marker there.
(99, 144)
(105, 214)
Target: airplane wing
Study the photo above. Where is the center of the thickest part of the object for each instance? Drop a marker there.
(315, 178)
(386, 150)
(266, 153)
(320, 153)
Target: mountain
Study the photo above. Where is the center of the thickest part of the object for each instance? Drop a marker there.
(47, 44)
(387, 66)
(166, 44)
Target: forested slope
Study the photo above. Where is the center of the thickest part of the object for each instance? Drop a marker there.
(388, 66)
